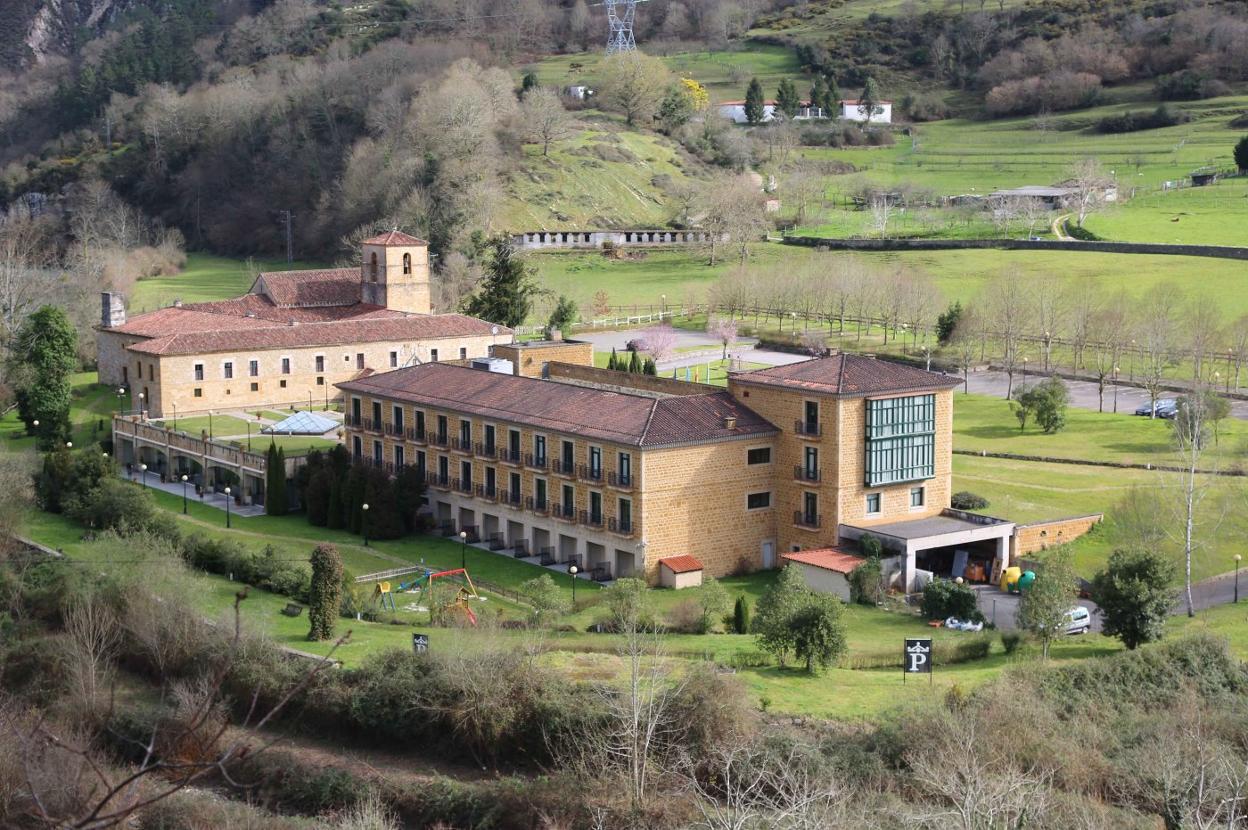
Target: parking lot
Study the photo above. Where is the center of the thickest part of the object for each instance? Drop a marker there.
(1000, 607)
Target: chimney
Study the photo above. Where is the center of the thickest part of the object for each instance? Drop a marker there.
(112, 310)
(554, 334)
(730, 422)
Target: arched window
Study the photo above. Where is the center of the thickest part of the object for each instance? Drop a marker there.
(407, 263)
(372, 266)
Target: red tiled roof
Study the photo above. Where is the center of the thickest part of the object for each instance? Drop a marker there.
(681, 564)
(323, 287)
(619, 417)
(258, 305)
(394, 237)
(830, 559)
(166, 321)
(849, 375)
(331, 333)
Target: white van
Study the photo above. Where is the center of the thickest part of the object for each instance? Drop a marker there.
(1078, 620)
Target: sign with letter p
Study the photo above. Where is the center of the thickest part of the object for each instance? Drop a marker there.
(918, 656)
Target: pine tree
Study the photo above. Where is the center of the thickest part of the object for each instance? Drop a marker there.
(819, 94)
(634, 362)
(741, 616)
(274, 482)
(507, 292)
(41, 358)
(755, 107)
(324, 592)
(649, 367)
(869, 101)
(564, 315)
(613, 362)
(786, 98)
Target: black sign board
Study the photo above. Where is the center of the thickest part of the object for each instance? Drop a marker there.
(917, 658)
(420, 643)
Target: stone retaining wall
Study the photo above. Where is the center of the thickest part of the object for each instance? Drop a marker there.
(539, 240)
(1219, 251)
(1041, 535)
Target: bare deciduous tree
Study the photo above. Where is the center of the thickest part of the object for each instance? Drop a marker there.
(1091, 184)
(723, 329)
(733, 213)
(544, 118)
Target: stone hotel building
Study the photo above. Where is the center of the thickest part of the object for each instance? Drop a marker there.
(290, 339)
(617, 473)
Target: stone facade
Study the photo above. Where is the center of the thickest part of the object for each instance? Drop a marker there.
(1038, 536)
(396, 277)
(531, 357)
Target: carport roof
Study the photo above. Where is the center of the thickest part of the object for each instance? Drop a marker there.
(948, 522)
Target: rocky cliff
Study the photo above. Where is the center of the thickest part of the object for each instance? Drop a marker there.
(31, 30)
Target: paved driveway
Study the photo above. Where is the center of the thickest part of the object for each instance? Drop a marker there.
(1001, 608)
(1083, 394)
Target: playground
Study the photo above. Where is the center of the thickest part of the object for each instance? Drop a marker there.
(446, 596)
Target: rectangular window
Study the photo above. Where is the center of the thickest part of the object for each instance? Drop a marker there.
(199, 393)
(282, 383)
(357, 448)
(810, 509)
(811, 466)
(444, 468)
(489, 439)
(758, 455)
(901, 439)
(420, 461)
(463, 353)
(398, 456)
(376, 414)
(539, 449)
(227, 370)
(569, 499)
(569, 457)
(873, 503)
(433, 355)
(359, 360)
(199, 371)
(515, 487)
(811, 421)
(491, 481)
(539, 493)
(513, 444)
(757, 501)
(442, 428)
(465, 473)
(625, 514)
(595, 508)
(626, 468)
(465, 434)
(355, 411)
(255, 387)
(916, 496)
(320, 381)
(420, 421)
(394, 359)
(285, 365)
(378, 451)
(397, 415)
(320, 363)
(595, 462)
(253, 368)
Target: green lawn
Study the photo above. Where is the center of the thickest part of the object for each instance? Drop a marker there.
(91, 410)
(1196, 215)
(206, 277)
(221, 425)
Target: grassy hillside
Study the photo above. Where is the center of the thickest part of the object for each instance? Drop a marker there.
(605, 177)
(1200, 215)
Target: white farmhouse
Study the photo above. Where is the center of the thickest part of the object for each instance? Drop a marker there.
(853, 110)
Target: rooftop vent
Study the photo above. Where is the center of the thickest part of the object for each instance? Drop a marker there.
(293, 323)
(730, 422)
(177, 303)
(250, 314)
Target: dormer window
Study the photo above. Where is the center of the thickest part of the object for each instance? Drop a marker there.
(372, 266)
(407, 263)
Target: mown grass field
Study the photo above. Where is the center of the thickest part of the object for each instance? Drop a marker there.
(1212, 215)
(206, 277)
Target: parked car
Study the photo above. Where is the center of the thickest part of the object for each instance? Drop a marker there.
(1163, 406)
(1078, 620)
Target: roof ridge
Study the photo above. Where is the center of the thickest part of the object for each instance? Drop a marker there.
(654, 408)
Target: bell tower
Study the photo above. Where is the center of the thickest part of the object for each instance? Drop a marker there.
(394, 272)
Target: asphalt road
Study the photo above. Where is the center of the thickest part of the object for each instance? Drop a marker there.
(1083, 394)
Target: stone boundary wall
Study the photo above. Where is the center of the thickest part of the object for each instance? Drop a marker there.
(594, 240)
(608, 378)
(1218, 251)
(1120, 465)
(1038, 536)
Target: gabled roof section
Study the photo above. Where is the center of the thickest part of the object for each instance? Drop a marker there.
(607, 415)
(829, 559)
(322, 287)
(395, 237)
(682, 564)
(849, 375)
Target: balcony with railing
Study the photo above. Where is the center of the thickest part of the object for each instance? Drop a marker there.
(546, 556)
(803, 473)
(520, 549)
(533, 505)
(460, 445)
(351, 420)
(588, 473)
(511, 497)
(810, 521)
(484, 450)
(487, 491)
(395, 430)
(416, 436)
(563, 511)
(592, 519)
(623, 481)
(462, 485)
(440, 439)
(563, 467)
(438, 480)
(508, 456)
(624, 527)
(536, 462)
(372, 426)
(807, 429)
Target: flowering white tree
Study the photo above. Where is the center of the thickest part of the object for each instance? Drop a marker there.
(659, 342)
(723, 329)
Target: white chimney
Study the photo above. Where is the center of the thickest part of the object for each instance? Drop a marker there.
(112, 310)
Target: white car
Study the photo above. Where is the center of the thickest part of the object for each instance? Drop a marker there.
(1078, 620)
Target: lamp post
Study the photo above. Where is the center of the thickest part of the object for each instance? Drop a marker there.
(35, 425)
(1131, 367)
(1024, 370)
(572, 570)
(1237, 558)
(143, 475)
(227, 507)
(142, 397)
(249, 441)
(184, 480)
(1115, 390)
(175, 417)
(463, 549)
(663, 305)
(69, 445)
(121, 394)
(364, 523)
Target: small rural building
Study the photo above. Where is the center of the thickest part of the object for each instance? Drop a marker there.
(580, 92)
(1202, 178)
(680, 572)
(735, 112)
(826, 570)
(853, 110)
(1054, 196)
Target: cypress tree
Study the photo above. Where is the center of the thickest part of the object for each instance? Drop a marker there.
(786, 98)
(634, 363)
(649, 367)
(741, 616)
(275, 481)
(613, 363)
(353, 498)
(334, 511)
(316, 498)
(324, 592)
(755, 106)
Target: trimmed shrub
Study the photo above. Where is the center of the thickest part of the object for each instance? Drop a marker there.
(966, 500)
(944, 598)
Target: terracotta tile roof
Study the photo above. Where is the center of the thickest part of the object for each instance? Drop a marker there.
(333, 333)
(394, 237)
(323, 287)
(607, 415)
(830, 559)
(849, 375)
(169, 320)
(681, 564)
(257, 305)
